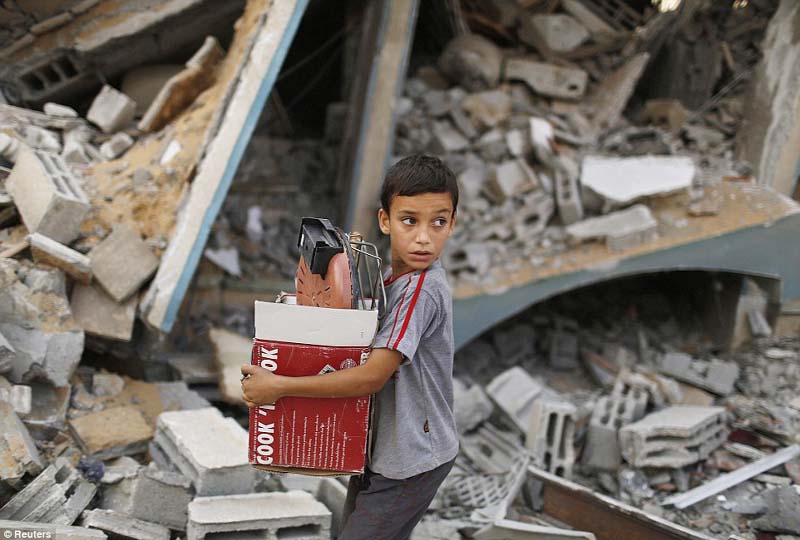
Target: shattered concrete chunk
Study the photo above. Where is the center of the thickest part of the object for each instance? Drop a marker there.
(487, 109)
(623, 229)
(515, 392)
(122, 262)
(471, 406)
(508, 179)
(229, 350)
(112, 432)
(269, 515)
(783, 511)
(548, 79)
(623, 180)
(18, 453)
(225, 258)
(601, 31)
(47, 195)
(447, 139)
(19, 396)
(673, 437)
(666, 113)
(561, 33)
(47, 251)
(111, 110)
(36, 321)
(715, 375)
(54, 109)
(472, 61)
(608, 101)
(49, 406)
(100, 315)
(7, 355)
(116, 145)
(121, 526)
(209, 449)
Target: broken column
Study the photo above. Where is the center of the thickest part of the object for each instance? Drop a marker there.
(294, 514)
(47, 195)
(207, 448)
(673, 437)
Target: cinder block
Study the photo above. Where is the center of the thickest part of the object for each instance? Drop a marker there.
(551, 436)
(207, 448)
(270, 516)
(122, 262)
(48, 251)
(515, 392)
(111, 110)
(121, 526)
(568, 198)
(673, 437)
(47, 195)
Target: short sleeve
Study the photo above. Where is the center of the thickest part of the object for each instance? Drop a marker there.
(410, 318)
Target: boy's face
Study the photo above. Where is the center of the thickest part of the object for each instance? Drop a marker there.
(418, 227)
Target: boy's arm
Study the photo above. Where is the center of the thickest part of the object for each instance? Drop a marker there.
(263, 386)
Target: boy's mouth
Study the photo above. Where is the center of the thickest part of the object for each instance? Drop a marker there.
(420, 255)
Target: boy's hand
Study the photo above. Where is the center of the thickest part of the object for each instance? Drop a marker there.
(259, 386)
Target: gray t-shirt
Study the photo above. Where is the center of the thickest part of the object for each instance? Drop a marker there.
(415, 428)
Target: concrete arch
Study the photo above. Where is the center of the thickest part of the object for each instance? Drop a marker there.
(770, 251)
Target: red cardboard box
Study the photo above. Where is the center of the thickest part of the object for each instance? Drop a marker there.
(320, 436)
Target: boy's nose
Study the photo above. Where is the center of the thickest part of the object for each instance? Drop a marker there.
(422, 236)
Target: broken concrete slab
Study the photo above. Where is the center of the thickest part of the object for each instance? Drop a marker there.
(48, 196)
(509, 179)
(673, 437)
(36, 321)
(621, 230)
(209, 449)
(714, 375)
(122, 262)
(515, 392)
(548, 79)
(47, 251)
(446, 139)
(62, 532)
(112, 432)
(551, 435)
(623, 180)
(100, 315)
(608, 100)
(783, 511)
(472, 62)
(184, 87)
(121, 526)
(111, 110)
(49, 406)
(471, 406)
(269, 515)
(116, 145)
(230, 351)
(18, 453)
(505, 529)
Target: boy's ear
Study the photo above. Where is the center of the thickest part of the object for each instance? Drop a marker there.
(383, 221)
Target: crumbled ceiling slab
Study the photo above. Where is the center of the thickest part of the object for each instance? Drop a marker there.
(622, 180)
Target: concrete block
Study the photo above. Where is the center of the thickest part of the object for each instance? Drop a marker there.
(116, 145)
(487, 109)
(472, 62)
(621, 181)
(515, 392)
(209, 449)
(272, 516)
(560, 33)
(111, 110)
(333, 494)
(122, 262)
(54, 109)
(99, 315)
(568, 197)
(673, 437)
(509, 179)
(62, 532)
(112, 432)
(532, 218)
(47, 251)
(18, 453)
(716, 375)
(548, 79)
(49, 406)
(446, 139)
(623, 229)
(48, 197)
(121, 526)
(19, 396)
(471, 405)
(551, 436)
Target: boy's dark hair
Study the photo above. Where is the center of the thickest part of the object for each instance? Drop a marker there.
(418, 174)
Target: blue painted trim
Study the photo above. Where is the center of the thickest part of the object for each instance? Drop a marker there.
(235, 158)
(769, 250)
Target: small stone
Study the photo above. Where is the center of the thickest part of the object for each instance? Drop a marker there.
(54, 109)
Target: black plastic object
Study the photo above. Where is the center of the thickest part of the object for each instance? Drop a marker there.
(318, 243)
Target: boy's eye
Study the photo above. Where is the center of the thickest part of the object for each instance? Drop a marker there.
(408, 221)
(440, 222)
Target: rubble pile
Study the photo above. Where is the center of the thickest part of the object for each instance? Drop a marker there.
(536, 134)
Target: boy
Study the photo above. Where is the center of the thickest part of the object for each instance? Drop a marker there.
(410, 368)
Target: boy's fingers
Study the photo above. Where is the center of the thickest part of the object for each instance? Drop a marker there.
(248, 369)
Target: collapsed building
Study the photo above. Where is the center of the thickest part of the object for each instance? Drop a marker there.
(626, 296)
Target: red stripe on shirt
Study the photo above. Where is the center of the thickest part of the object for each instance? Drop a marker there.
(410, 309)
(392, 279)
(397, 312)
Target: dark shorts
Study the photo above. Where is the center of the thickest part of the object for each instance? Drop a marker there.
(379, 508)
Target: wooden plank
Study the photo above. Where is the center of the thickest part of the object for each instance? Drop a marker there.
(218, 166)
